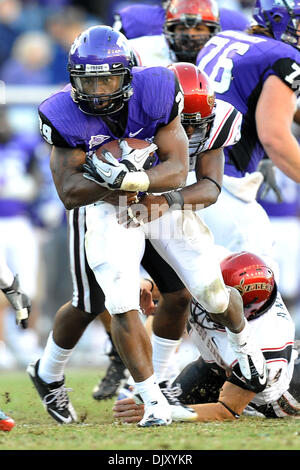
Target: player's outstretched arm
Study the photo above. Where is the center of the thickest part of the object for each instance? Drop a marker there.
(274, 116)
(209, 171)
(73, 189)
(232, 401)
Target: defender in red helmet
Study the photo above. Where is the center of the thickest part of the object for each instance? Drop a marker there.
(189, 25)
(198, 113)
(210, 123)
(253, 279)
(213, 384)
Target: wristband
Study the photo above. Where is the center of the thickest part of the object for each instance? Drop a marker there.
(151, 282)
(213, 181)
(174, 198)
(236, 416)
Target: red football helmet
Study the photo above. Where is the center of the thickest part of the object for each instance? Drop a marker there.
(199, 101)
(182, 15)
(252, 278)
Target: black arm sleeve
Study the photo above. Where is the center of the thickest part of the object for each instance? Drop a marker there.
(289, 72)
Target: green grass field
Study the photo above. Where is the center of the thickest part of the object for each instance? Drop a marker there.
(97, 430)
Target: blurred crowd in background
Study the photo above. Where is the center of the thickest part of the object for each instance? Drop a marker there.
(35, 37)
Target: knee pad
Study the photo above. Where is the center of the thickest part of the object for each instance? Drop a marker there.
(214, 297)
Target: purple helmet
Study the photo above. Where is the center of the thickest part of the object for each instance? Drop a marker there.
(281, 17)
(100, 63)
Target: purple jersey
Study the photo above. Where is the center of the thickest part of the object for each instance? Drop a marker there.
(290, 207)
(239, 64)
(155, 102)
(233, 20)
(141, 20)
(16, 157)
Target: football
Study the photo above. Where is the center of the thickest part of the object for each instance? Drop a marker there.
(114, 148)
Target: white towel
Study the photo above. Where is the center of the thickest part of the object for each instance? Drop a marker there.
(244, 188)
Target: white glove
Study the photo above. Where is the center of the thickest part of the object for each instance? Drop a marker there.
(19, 301)
(267, 168)
(109, 175)
(137, 159)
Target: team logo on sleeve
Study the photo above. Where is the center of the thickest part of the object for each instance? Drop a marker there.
(97, 140)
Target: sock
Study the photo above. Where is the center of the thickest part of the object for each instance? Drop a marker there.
(150, 391)
(163, 352)
(53, 361)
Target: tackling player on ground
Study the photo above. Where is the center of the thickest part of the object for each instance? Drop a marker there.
(212, 384)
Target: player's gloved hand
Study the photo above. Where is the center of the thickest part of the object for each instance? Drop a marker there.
(109, 174)
(137, 159)
(267, 168)
(19, 301)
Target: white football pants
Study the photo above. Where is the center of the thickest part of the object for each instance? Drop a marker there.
(241, 226)
(20, 248)
(114, 254)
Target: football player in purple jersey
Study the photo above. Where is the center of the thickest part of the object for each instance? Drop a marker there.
(187, 17)
(178, 31)
(258, 72)
(108, 99)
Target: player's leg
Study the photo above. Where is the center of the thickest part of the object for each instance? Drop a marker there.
(71, 320)
(171, 314)
(114, 253)
(22, 256)
(187, 244)
(116, 373)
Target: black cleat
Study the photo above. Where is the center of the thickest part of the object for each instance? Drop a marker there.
(114, 379)
(54, 396)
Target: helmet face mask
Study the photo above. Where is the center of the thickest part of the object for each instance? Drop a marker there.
(197, 128)
(281, 18)
(100, 62)
(189, 25)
